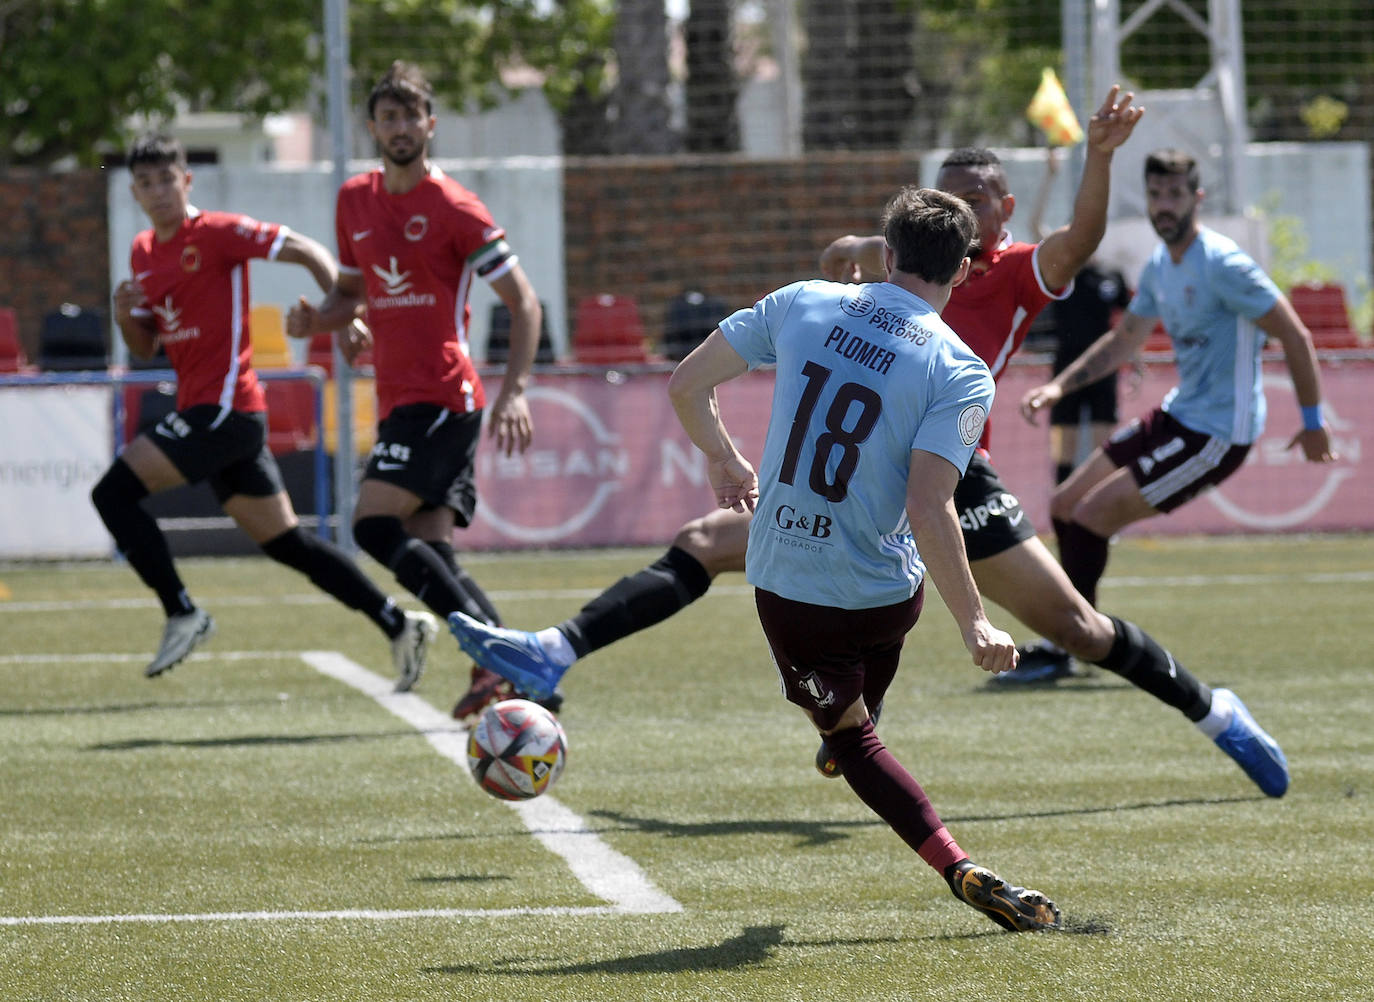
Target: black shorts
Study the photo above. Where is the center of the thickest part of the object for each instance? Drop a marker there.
(822, 654)
(991, 516)
(429, 451)
(1171, 463)
(227, 449)
(1099, 399)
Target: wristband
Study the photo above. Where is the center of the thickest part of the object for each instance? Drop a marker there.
(1312, 417)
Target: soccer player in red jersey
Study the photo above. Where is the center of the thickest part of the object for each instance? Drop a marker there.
(992, 312)
(411, 243)
(189, 293)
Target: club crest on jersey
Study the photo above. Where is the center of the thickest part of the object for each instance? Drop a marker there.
(416, 227)
(190, 258)
(971, 421)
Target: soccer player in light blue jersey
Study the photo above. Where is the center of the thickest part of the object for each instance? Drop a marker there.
(877, 409)
(1217, 306)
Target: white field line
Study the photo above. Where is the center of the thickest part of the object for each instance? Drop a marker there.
(606, 873)
(717, 591)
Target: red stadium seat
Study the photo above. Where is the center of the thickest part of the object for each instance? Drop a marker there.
(12, 357)
(1321, 306)
(608, 331)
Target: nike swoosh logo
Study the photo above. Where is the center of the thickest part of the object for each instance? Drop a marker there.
(165, 432)
(1016, 519)
(361, 234)
(391, 466)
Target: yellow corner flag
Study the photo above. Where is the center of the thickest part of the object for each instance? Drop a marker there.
(1051, 112)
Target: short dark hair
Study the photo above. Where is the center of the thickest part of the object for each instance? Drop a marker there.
(157, 149)
(978, 157)
(1171, 161)
(404, 83)
(929, 231)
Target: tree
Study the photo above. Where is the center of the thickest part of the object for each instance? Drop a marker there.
(712, 85)
(641, 123)
(857, 73)
(151, 58)
(140, 58)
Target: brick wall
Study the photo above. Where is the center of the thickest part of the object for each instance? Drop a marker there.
(651, 228)
(54, 245)
(643, 227)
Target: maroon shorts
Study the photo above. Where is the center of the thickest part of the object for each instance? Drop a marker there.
(823, 654)
(1172, 464)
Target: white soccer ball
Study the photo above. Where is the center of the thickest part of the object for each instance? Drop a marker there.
(517, 750)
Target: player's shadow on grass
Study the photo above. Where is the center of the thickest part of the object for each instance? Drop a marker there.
(817, 833)
(807, 833)
(250, 740)
(143, 707)
(756, 946)
(751, 948)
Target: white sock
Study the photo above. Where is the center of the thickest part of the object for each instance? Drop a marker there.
(556, 646)
(1218, 717)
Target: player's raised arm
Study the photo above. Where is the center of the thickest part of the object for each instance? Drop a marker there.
(1064, 252)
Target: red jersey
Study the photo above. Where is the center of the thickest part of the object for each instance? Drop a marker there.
(196, 286)
(418, 253)
(993, 309)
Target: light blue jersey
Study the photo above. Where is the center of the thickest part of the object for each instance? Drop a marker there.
(1208, 302)
(865, 375)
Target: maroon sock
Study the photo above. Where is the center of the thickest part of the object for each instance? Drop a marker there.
(1083, 554)
(892, 793)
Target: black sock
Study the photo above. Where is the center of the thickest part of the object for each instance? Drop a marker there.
(330, 570)
(1083, 555)
(469, 585)
(116, 498)
(418, 568)
(1061, 472)
(1137, 658)
(670, 584)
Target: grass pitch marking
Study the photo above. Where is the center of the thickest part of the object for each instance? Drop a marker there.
(608, 874)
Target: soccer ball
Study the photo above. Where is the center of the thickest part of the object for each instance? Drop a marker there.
(517, 750)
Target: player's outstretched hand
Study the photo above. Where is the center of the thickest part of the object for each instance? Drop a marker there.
(302, 320)
(993, 650)
(1114, 122)
(735, 483)
(355, 339)
(1038, 398)
(128, 296)
(511, 423)
(1316, 445)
